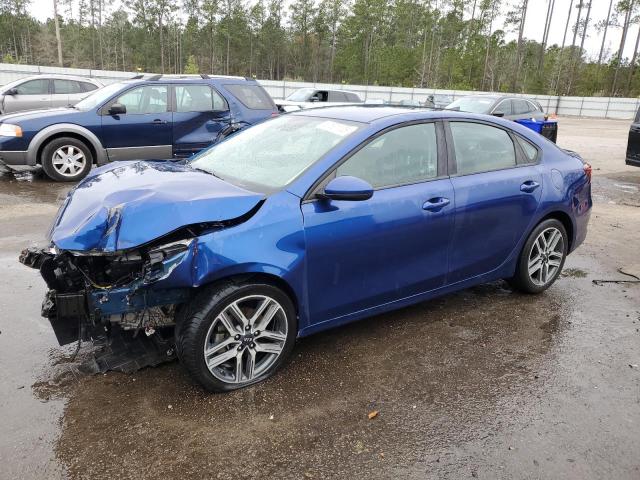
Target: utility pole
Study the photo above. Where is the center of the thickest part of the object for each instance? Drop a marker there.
(55, 19)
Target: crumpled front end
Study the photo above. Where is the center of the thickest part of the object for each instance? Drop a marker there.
(123, 300)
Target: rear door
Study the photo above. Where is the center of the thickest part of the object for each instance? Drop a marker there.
(200, 114)
(66, 92)
(144, 131)
(497, 189)
(30, 95)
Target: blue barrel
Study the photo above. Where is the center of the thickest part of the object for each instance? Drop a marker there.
(534, 125)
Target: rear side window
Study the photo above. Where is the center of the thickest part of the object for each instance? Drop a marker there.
(33, 87)
(198, 98)
(399, 157)
(481, 148)
(66, 87)
(252, 96)
(352, 97)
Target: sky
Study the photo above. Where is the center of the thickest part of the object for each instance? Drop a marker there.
(534, 26)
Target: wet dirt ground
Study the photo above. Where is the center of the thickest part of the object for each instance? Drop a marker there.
(484, 383)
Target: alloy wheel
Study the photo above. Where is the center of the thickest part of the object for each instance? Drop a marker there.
(69, 160)
(245, 339)
(546, 256)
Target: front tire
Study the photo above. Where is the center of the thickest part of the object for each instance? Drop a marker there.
(66, 159)
(542, 257)
(234, 335)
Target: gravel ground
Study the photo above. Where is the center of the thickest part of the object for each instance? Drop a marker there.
(484, 383)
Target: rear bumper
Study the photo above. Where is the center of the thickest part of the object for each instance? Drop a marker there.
(14, 157)
(634, 162)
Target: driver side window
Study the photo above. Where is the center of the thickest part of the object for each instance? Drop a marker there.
(148, 99)
(401, 156)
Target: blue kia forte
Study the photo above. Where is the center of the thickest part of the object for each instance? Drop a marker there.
(302, 223)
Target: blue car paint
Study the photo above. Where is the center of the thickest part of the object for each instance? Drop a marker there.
(188, 132)
(99, 217)
(340, 260)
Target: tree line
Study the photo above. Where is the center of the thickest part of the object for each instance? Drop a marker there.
(452, 44)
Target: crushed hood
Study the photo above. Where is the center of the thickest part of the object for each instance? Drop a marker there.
(127, 204)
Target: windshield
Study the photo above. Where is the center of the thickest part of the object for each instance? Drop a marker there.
(472, 105)
(271, 154)
(99, 97)
(301, 95)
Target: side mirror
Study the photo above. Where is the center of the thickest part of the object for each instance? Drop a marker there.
(11, 91)
(498, 114)
(314, 99)
(117, 109)
(347, 188)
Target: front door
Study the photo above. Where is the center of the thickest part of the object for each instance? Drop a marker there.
(497, 194)
(30, 95)
(200, 115)
(362, 254)
(144, 131)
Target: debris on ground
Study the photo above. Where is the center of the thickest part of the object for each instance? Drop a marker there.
(372, 414)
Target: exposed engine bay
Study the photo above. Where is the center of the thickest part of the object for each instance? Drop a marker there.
(114, 300)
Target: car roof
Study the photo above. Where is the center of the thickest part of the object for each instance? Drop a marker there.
(55, 76)
(356, 113)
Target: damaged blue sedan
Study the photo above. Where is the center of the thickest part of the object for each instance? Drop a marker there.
(302, 223)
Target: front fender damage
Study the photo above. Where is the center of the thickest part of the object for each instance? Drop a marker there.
(123, 302)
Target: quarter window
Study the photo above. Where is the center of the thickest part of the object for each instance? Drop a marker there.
(530, 152)
(481, 148)
(149, 99)
(66, 87)
(402, 156)
(33, 87)
(198, 98)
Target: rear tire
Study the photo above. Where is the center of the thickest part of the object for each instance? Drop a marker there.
(234, 335)
(542, 257)
(66, 159)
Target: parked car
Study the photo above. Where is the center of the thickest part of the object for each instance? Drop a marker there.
(438, 100)
(45, 91)
(311, 97)
(633, 144)
(518, 109)
(512, 108)
(306, 222)
(153, 118)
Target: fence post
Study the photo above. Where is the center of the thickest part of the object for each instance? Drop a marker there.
(581, 105)
(284, 88)
(606, 112)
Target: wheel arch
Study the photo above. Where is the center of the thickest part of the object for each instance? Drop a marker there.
(567, 223)
(259, 277)
(48, 134)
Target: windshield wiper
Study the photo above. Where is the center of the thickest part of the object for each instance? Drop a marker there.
(205, 171)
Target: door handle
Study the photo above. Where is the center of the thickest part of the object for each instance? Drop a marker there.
(435, 204)
(529, 186)
(157, 121)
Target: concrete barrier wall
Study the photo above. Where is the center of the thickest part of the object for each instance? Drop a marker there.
(594, 107)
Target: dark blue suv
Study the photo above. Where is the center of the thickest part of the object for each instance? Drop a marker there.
(159, 117)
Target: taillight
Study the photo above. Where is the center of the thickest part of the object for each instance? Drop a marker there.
(587, 171)
(275, 114)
